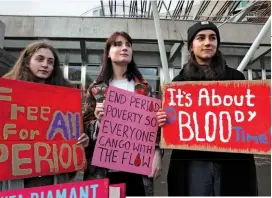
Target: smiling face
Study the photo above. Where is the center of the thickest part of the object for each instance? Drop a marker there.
(41, 63)
(120, 51)
(204, 45)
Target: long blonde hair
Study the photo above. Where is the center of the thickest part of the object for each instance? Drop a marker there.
(21, 71)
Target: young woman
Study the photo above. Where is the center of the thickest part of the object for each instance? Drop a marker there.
(39, 63)
(119, 70)
(199, 173)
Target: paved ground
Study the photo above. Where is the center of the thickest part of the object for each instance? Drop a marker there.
(263, 170)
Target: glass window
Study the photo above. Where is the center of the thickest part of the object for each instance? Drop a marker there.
(245, 72)
(151, 75)
(92, 72)
(61, 66)
(95, 13)
(267, 62)
(176, 71)
(148, 71)
(268, 74)
(93, 69)
(74, 72)
(155, 85)
(256, 75)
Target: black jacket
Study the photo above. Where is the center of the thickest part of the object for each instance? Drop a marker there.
(238, 170)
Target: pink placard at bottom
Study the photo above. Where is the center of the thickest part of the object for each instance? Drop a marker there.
(87, 189)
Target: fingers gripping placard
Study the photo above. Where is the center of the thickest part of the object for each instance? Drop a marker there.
(127, 133)
(38, 130)
(218, 116)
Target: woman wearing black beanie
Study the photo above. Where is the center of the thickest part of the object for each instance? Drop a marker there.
(201, 173)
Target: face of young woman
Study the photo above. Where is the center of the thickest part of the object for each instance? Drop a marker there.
(42, 63)
(121, 51)
(204, 45)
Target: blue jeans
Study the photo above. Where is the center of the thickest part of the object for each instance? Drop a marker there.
(204, 178)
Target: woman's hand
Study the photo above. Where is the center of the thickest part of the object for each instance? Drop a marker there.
(99, 111)
(84, 140)
(161, 118)
(156, 164)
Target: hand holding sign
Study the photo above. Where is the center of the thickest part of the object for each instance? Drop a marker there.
(83, 139)
(161, 117)
(156, 165)
(99, 111)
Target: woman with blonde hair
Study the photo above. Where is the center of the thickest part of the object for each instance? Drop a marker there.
(39, 63)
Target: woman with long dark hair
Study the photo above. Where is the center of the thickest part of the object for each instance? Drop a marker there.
(119, 70)
(202, 173)
(39, 63)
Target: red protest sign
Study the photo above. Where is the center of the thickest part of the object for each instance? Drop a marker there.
(39, 127)
(88, 189)
(229, 116)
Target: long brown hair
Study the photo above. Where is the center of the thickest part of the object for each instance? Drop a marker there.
(106, 73)
(215, 71)
(21, 71)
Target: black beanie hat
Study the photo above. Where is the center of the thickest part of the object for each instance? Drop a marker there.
(204, 25)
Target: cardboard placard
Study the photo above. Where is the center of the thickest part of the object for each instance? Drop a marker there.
(226, 116)
(88, 189)
(127, 133)
(39, 128)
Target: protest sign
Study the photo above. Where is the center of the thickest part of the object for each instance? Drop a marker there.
(39, 126)
(87, 189)
(229, 116)
(127, 133)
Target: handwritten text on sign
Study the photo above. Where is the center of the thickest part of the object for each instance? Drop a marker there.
(218, 116)
(127, 133)
(38, 131)
(87, 189)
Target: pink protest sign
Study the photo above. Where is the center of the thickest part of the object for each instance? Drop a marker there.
(127, 133)
(87, 189)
